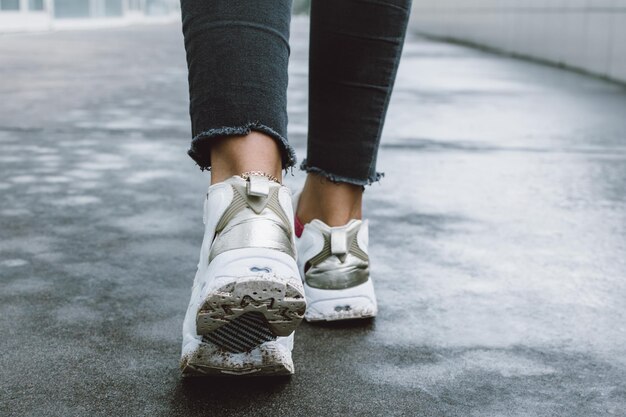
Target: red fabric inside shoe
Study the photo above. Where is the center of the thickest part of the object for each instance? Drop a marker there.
(299, 226)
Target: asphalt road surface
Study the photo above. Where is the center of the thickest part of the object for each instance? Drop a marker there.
(498, 239)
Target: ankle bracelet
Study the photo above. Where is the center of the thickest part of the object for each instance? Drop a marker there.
(248, 174)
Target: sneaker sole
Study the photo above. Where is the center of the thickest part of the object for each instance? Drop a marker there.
(331, 305)
(268, 359)
(280, 303)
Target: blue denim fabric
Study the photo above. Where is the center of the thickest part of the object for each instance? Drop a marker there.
(237, 55)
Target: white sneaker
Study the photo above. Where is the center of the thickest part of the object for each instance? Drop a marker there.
(334, 264)
(247, 297)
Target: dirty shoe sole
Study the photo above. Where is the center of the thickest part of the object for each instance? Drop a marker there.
(358, 302)
(268, 359)
(246, 327)
(273, 305)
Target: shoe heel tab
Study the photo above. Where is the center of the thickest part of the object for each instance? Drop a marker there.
(318, 225)
(258, 186)
(338, 241)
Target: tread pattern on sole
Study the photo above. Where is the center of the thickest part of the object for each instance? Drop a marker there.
(195, 370)
(281, 305)
(242, 334)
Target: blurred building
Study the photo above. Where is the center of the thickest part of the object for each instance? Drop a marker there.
(35, 15)
(589, 35)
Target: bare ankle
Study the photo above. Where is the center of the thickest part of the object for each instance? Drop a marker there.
(233, 155)
(333, 203)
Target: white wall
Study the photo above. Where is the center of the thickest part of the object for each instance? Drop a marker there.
(584, 34)
(25, 19)
(132, 12)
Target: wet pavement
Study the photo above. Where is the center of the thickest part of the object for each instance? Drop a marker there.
(498, 239)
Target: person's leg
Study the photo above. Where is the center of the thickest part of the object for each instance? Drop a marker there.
(237, 55)
(247, 296)
(355, 48)
(255, 151)
(335, 203)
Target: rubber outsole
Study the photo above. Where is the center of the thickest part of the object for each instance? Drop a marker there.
(268, 359)
(357, 302)
(242, 334)
(341, 309)
(281, 304)
(190, 370)
(199, 370)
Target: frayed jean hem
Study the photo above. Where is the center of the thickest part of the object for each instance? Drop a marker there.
(338, 178)
(200, 150)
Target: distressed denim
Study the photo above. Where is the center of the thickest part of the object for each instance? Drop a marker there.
(237, 55)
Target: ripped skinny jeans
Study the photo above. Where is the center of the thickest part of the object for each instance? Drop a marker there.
(237, 56)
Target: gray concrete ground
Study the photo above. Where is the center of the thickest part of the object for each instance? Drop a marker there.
(498, 240)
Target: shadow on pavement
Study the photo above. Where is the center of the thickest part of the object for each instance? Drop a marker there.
(236, 395)
(200, 395)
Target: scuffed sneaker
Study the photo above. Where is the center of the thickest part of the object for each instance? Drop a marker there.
(247, 297)
(334, 264)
